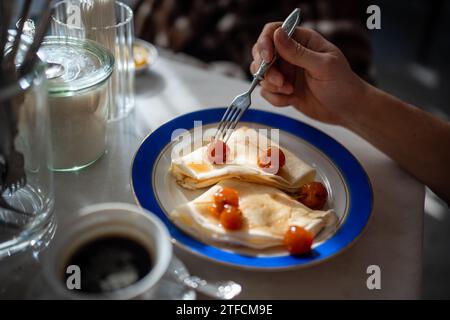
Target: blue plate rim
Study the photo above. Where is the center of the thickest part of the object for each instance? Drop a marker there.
(349, 232)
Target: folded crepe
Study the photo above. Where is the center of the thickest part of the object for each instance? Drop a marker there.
(267, 212)
(195, 170)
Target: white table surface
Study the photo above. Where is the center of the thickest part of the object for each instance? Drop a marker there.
(392, 240)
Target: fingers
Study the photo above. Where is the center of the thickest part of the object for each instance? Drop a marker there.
(263, 50)
(277, 99)
(255, 53)
(266, 48)
(297, 53)
(273, 81)
(306, 49)
(285, 89)
(312, 40)
(273, 75)
(264, 44)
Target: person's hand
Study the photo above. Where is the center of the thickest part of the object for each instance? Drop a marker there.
(310, 74)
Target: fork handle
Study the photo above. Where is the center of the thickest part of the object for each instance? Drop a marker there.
(264, 66)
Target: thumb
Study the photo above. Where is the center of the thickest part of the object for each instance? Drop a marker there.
(295, 53)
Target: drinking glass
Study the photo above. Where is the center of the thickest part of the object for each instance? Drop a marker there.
(113, 28)
(26, 188)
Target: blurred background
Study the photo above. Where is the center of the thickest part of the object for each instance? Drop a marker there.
(408, 57)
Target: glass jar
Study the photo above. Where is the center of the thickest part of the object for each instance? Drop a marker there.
(26, 183)
(78, 100)
(109, 23)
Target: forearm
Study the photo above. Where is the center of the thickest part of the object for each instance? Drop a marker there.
(415, 139)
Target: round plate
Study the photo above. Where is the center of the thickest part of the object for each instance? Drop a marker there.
(350, 192)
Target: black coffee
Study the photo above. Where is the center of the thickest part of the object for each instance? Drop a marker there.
(111, 263)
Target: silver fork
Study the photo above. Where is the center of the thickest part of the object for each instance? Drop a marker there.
(242, 102)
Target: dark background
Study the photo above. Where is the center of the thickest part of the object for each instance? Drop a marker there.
(411, 55)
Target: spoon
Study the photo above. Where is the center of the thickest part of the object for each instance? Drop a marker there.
(224, 290)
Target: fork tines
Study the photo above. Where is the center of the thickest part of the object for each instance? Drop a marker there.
(229, 122)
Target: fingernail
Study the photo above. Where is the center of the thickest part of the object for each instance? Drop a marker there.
(283, 35)
(265, 55)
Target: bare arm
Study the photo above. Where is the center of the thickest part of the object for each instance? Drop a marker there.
(418, 141)
(313, 75)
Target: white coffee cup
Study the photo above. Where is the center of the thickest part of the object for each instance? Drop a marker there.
(99, 221)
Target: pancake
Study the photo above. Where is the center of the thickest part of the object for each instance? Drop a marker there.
(267, 211)
(195, 170)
